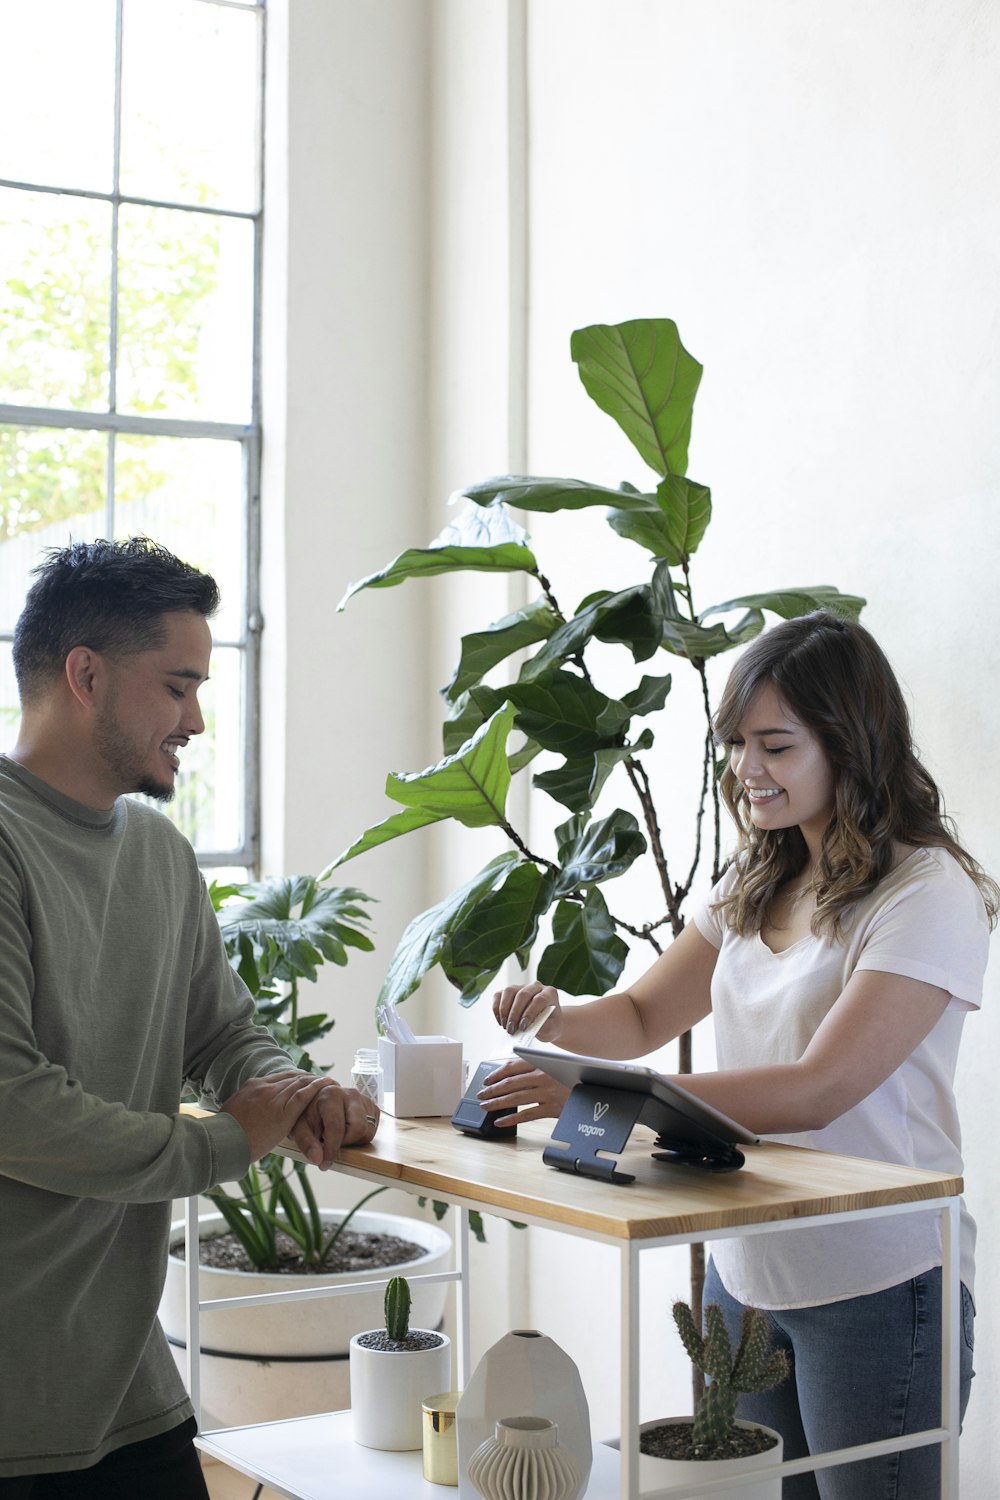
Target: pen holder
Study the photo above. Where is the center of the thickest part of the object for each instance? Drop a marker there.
(422, 1077)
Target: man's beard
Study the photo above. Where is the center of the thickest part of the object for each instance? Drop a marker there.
(158, 793)
(127, 764)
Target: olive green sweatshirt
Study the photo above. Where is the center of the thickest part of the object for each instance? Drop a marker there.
(114, 990)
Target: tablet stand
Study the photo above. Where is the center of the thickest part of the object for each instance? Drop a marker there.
(596, 1122)
(594, 1119)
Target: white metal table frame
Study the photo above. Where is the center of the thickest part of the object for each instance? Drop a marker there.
(946, 1434)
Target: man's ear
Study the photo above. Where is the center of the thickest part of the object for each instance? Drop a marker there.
(86, 673)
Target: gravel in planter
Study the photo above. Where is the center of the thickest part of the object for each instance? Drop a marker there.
(354, 1251)
(673, 1440)
(417, 1338)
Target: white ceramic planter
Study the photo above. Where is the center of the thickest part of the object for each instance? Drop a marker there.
(265, 1364)
(658, 1473)
(524, 1374)
(388, 1387)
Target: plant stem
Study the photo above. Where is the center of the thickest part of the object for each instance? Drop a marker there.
(335, 1236)
(709, 787)
(293, 1025)
(546, 589)
(636, 773)
(518, 842)
(315, 1218)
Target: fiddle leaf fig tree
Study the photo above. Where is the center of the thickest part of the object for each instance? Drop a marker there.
(554, 710)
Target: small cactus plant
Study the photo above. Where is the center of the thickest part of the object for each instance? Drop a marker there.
(397, 1309)
(756, 1367)
(397, 1337)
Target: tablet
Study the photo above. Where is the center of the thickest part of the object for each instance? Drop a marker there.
(687, 1129)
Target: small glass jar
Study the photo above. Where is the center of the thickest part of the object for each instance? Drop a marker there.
(366, 1074)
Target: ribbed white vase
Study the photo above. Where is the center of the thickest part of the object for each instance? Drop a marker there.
(528, 1373)
(524, 1460)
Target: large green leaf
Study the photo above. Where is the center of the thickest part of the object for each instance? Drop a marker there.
(684, 638)
(470, 786)
(476, 526)
(592, 852)
(670, 524)
(678, 633)
(427, 562)
(790, 603)
(427, 936)
(641, 374)
(470, 710)
(586, 955)
(486, 648)
(505, 921)
(579, 781)
(528, 492)
(523, 757)
(698, 639)
(623, 617)
(380, 833)
(567, 714)
(649, 697)
(286, 927)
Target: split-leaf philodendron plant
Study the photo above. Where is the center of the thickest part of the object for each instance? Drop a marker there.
(641, 375)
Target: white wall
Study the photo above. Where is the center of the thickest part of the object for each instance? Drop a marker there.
(345, 401)
(811, 192)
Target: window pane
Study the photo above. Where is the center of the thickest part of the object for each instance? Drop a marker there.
(204, 58)
(52, 489)
(55, 322)
(187, 494)
(206, 806)
(10, 711)
(58, 94)
(185, 314)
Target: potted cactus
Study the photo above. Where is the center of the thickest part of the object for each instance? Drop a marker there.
(715, 1442)
(393, 1370)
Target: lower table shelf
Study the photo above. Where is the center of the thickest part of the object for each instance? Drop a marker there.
(316, 1458)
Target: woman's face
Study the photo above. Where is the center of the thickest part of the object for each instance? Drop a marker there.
(783, 768)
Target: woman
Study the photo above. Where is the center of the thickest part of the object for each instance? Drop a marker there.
(838, 956)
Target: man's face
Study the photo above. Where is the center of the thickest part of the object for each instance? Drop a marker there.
(151, 708)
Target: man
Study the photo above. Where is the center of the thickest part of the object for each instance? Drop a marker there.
(114, 990)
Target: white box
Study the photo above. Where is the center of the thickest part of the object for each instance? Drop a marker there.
(422, 1077)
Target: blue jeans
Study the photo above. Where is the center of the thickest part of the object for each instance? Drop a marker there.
(862, 1370)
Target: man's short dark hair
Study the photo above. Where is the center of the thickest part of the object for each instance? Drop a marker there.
(110, 596)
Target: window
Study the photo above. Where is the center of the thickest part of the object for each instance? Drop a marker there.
(130, 230)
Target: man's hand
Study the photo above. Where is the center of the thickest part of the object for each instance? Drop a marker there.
(267, 1108)
(334, 1117)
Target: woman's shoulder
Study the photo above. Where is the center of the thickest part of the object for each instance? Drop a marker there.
(728, 880)
(932, 872)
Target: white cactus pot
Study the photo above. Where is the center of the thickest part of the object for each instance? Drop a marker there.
(659, 1473)
(388, 1388)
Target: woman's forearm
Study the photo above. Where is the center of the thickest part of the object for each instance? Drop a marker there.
(608, 1027)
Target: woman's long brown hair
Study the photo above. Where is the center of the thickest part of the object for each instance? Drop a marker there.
(833, 676)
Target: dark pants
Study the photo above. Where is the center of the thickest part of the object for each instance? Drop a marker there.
(161, 1468)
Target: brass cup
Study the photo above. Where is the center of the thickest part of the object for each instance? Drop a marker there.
(440, 1438)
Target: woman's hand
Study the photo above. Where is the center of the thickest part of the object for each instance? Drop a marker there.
(518, 1005)
(516, 1092)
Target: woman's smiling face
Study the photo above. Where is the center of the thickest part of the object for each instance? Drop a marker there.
(783, 768)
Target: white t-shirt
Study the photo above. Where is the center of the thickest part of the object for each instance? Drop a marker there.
(926, 921)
